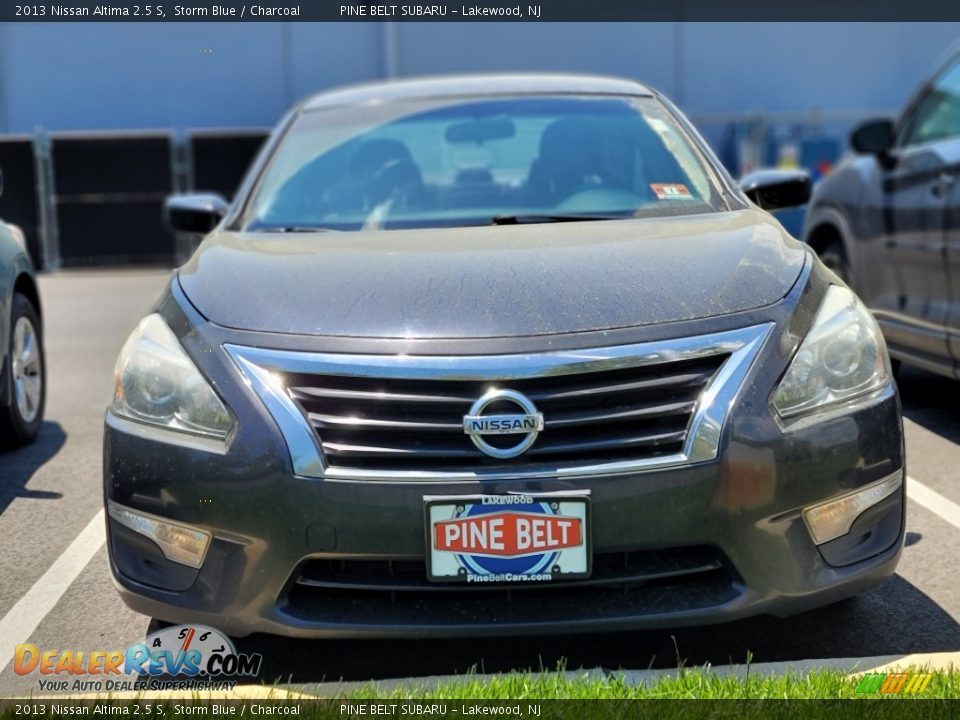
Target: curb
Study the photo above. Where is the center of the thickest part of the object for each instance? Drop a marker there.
(849, 666)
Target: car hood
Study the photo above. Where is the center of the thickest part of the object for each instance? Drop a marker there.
(497, 281)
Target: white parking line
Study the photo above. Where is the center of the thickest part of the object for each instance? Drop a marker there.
(18, 624)
(933, 501)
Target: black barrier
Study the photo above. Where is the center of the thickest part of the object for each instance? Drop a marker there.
(107, 190)
(18, 202)
(114, 232)
(109, 198)
(220, 158)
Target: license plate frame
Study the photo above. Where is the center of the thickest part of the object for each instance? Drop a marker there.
(552, 565)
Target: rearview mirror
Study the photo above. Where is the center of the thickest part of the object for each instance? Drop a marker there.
(873, 137)
(198, 213)
(777, 189)
(481, 130)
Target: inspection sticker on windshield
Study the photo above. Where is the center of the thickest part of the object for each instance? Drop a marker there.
(511, 538)
(671, 191)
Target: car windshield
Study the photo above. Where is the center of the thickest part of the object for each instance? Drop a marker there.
(500, 160)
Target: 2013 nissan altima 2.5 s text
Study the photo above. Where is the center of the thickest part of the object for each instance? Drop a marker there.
(498, 355)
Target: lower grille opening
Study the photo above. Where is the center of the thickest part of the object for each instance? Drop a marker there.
(623, 584)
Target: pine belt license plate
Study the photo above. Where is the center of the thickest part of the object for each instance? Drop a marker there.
(514, 538)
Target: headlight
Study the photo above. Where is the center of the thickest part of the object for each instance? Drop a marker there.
(157, 383)
(841, 357)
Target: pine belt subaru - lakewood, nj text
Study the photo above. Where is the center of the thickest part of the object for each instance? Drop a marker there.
(498, 355)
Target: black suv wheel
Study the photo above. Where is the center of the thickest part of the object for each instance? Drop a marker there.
(835, 258)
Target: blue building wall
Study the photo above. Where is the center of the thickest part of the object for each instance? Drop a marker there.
(112, 75)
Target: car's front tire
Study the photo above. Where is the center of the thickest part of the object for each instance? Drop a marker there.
(20, 421)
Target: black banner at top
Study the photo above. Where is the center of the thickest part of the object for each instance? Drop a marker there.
(483, 11)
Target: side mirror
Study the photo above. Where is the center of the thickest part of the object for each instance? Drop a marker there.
(777, 189)
(873, 137)
(198, 213)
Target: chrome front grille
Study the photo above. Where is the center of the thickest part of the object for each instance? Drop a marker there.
(401, 417)
(389, 424)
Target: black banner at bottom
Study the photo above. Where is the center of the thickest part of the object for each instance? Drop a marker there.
(528, 709)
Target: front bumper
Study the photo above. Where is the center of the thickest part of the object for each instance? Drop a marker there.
(270, 526)
(312, 557)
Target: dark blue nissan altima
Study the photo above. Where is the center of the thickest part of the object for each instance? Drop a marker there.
(499, 355)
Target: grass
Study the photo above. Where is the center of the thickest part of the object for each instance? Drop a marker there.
(699, 684)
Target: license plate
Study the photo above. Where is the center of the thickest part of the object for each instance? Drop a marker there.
(513, 538)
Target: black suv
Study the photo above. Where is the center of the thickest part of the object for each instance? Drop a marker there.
(887, 220)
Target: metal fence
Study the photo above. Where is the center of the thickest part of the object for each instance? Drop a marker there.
(19, 201)
(97, 198)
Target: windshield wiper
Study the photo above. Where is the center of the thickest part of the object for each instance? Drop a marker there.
(296, 229)
(533, 219)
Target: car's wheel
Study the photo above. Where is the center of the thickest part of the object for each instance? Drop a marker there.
(20, 421)
(835, 258)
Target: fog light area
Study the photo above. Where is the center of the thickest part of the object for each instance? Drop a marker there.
(179, 543)
(834, 518)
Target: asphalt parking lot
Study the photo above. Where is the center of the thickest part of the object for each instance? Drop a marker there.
(52, 541)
